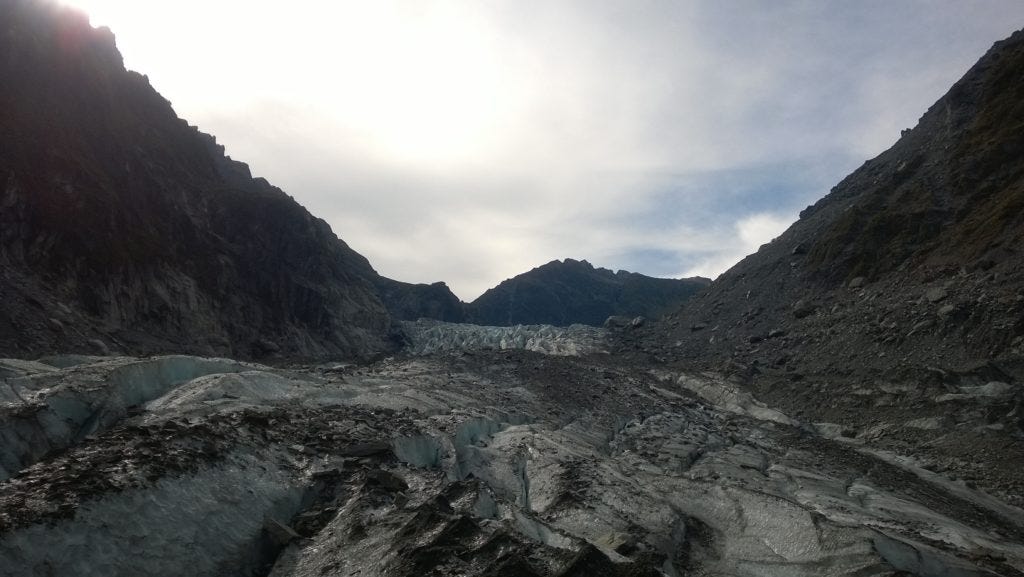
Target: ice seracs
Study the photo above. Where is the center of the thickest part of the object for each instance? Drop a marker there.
(570, 465)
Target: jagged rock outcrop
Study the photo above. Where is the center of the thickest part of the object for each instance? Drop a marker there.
(567, 292)
(123, 228)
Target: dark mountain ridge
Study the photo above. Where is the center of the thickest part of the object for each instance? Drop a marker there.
(566, 292)
(559, 293)
(413, 301)
(125, 228)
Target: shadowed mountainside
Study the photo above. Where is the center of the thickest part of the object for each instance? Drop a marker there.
(125, 229)
(560, 293)
(565, 292)
(892, 311)
(913, 261)
(410, 302)
(122, 227)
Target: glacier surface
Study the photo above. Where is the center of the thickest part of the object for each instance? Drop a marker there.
(492, 460)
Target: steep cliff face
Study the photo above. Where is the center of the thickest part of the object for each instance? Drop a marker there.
(122, 227)
(911, 263)
(565, 292)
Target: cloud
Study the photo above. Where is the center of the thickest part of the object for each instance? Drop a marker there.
(761, 229)
(749, 234)
(468, 141)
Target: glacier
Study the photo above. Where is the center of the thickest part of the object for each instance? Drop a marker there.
(459, 457)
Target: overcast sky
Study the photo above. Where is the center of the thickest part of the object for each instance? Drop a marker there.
(469, 141)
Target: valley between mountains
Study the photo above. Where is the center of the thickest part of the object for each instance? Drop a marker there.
(200, 378)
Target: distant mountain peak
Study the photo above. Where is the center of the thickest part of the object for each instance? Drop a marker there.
(570, 291)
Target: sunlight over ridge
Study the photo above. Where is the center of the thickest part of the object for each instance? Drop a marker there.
(595, 129)
(417, 87)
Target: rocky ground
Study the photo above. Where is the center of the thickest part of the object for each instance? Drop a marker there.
(476, 460)
(888, 362)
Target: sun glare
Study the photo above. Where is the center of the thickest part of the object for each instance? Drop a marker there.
(414, 84)
(99, 11)
(424, 90)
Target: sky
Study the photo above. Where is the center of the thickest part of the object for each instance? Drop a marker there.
(468, 141)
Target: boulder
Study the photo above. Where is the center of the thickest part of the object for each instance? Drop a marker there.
(802, 308)
(934, 295)
(616, 322)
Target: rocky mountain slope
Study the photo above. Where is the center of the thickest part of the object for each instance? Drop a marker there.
(913, 261)
(565, 292)
(410, 302)
(560, 293)
(894, 307)
(123, 228)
